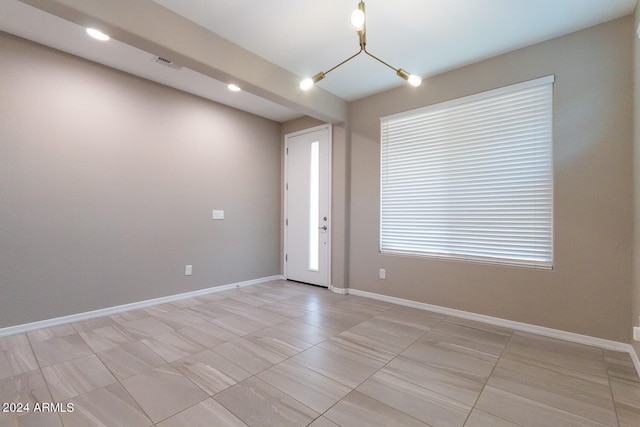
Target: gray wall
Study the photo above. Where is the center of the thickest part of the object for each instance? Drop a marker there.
(107, 183)
(589, 289)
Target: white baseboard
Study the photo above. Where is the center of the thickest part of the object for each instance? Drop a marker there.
(519, 326)
(18, 329)
(634, 358)
(341, 291)
(525, 327)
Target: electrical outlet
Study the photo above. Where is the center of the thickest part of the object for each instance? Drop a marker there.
(188, 270)
(636, 333)
(383, 273)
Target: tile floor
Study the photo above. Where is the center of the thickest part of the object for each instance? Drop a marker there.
(286, 354)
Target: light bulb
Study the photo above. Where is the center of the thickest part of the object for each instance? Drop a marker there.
(306, 84)
(97, 34)
(414, 80)
(233, 88)
(357, 19)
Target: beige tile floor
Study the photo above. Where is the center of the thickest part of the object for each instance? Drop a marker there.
(286, 354)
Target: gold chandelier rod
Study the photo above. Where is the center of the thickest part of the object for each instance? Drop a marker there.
(361, 29)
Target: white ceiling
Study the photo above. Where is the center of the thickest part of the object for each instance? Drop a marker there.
(424, 37)
(33, 24)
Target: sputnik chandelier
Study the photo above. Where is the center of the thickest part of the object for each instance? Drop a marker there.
(358, 20)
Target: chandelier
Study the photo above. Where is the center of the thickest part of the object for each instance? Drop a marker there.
(358, 20)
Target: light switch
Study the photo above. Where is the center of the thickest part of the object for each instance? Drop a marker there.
(217, 215)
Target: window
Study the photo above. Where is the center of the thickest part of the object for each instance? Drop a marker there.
(314, 206)
(471, 179)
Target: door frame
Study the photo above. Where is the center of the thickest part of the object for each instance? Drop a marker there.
(288, 136)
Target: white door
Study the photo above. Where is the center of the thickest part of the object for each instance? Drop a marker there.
(307, 206)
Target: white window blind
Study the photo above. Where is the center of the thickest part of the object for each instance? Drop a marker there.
(471, 179)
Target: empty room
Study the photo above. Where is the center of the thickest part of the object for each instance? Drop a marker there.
(330, 213)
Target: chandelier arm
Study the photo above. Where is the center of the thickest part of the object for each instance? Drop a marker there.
(360, 23)
(379, 60)
(345, 61)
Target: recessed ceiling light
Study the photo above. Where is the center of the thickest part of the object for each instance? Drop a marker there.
(98, 35)
(233, 88)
